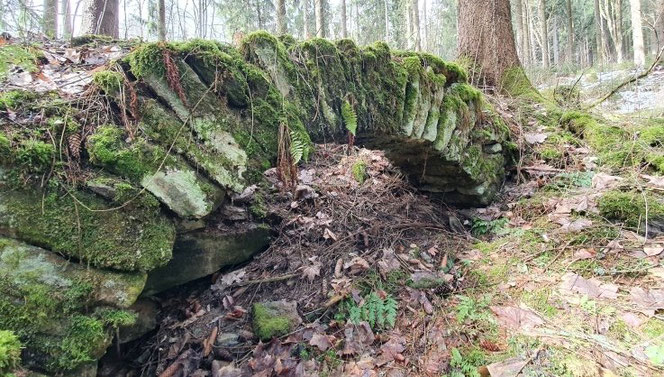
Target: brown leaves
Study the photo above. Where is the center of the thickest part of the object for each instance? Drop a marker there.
(173, 75)
(356, 265)
(321, 341)
(517, 318)
(311, 271)
(593, 288)
(357, 338)
(647, 301)
(508, 368)
(209, 341)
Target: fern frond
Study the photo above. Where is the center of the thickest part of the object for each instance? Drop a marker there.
(349, 116)
(298, 146)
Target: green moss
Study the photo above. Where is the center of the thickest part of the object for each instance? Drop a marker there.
(24, 57)
(267, 326)
(10, 352)
(359, 171)
(109, 81)
(653, 328)
(466, 92)
(147, 59)
(139, 238)
(14, 99)
(35, 156)
(630, 207)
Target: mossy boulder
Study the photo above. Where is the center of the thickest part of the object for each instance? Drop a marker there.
(63, 312)
(274, 318)
(637, 210)
(10, 352)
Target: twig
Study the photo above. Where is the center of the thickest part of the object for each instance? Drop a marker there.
(627, 82)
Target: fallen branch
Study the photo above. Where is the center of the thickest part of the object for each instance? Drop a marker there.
(627, 82)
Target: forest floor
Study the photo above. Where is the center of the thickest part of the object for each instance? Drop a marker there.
(389, 282)
(392, 283)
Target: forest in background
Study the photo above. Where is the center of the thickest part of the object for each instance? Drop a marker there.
(562, 35)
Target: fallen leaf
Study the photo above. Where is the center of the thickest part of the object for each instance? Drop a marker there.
(357, 265)
(632, 319)
(517, 318)
(311, 271)
(582, 254)
(593, 288)
(329, 235)
(576, 225)
(535, 138)
(652, 250)
(321, 341)
(357, 338)
(209, 341)
(602, 181)
(647, 301)
(507, 368)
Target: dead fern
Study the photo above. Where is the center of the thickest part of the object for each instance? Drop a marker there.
(286, 164)
(173, 75)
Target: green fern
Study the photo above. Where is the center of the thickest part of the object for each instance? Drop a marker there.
(349, 116)
(381, 314)
(298, 146)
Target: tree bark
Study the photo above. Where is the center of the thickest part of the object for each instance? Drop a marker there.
(386, 31)
(281, 17)
(66, 19)
(637, 33)
(556, 51)
(527, 40)
(51, 18)
(320, 18)
(415, 19)
(162, 20)
(598, 33)
(545, 33)
(98, 19)
(305, 19)
(659, 25)
(570, 32)
(518, 18)
(344, 29)
(487, 40)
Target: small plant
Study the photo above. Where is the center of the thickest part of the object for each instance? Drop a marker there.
(482, 227)
(10, 352)
(470, 309)
(380, 313)
(462, 367)
(359, 171)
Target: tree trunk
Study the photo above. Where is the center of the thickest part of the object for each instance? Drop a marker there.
(487, 40)
(51, 18)
(556, 51)
(545, 33)
(518, 18)
(598, 33)
(387, 22)
(66, 19)
(415, 19)
(659, 25)
(344, 30)
(281, 17)
(570, 32)
(526, 34)
(425, 30)
(305, 19)
(637, 33)
(320, 18)
(162, 20)
(98, 19)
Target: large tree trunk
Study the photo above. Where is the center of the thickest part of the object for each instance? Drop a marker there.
(518, 18)
(659, 25)
(305, 19)
(386, 31)
(281, 17)
(598, 33)
(162, 20)
(415, 19)
(100, 20)
(487, 40)
(66, 19)
(51, 18)
(570, 32)
(544, 32)
(556, 51)
(320, 18)
(528, 35)
(637, 33)
(344, 30)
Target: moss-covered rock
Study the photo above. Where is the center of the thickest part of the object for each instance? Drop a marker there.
(634, 209)
(10, 352)
(83, 226)
(274, 318)
(63, 312)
